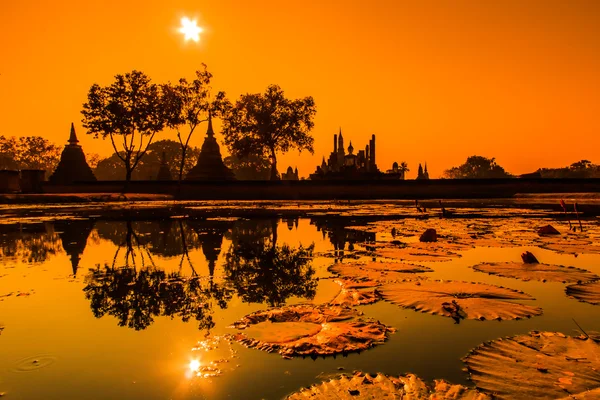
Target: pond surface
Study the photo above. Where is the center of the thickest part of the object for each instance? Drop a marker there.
(140, 308)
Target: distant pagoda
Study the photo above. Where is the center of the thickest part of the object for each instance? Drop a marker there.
(210, 166)
(164, 173)
(72, 166)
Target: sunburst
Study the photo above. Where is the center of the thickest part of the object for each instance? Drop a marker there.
(190, 29)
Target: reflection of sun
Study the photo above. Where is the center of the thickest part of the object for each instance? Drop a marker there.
(190, 30)
(194, 365)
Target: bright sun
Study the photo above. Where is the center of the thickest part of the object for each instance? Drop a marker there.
(190, 30)
(194, 365)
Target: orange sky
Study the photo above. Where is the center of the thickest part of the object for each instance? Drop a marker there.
(436, 81)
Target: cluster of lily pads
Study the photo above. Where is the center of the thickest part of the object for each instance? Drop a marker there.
(552, 364)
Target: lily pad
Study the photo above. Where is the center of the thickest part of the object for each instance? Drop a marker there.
(309, 330)
(365, 386)
(378, 271)
(539, 365)
(355, 293)
(421, 252)
(537, 272)
(588, 292)
(460, 300)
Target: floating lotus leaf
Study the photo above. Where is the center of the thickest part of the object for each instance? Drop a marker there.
(421, 252)
(460, 300)
(356, 293)
(588, 292)
(539, 365)
(378, 271)
(365, 386)
(569, 245)
(537, 272)
(302, 330)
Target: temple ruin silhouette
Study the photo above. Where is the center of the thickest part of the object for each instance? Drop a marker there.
(72, 166)
(210, 166)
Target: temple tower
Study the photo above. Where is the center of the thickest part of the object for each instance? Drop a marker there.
(164, 173)
(72, 166)
(210, 166)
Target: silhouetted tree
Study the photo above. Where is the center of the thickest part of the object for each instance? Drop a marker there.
(253, 167)
(268, 123)
(477, 167)
(112, 168)
(189, 104)
(28, 152)
(131, 111)
(403, 168)
(579, 169)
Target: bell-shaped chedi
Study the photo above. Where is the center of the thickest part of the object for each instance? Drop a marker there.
(74, 235)
(210, 166)
(72, 166)
(164, 173)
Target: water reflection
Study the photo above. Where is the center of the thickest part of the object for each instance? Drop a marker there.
(135, 297)
(335, 229)
(29, 243)
(136, 290)
(261, 271)
(134, 286)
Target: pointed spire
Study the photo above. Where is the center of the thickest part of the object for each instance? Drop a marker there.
(73, 137)
(209, 132)
(350, 148)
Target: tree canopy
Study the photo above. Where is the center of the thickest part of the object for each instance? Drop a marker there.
(28, 152)
(112, 168)
(253, 167)
(265, 124)
(189, 104)
(579, 169)
(477, 167)
(129, 111)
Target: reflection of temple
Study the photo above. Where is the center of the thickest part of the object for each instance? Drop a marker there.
(74, 236)
(335, 230)
(72, 166)
(291, 223)
(342, 165)
(210, 165)
(210, 235)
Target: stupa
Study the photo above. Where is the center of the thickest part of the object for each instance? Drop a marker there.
(72, 166)
(164, 173)
(210, 166)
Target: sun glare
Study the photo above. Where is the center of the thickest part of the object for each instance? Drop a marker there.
(190, 29)
(194, 365)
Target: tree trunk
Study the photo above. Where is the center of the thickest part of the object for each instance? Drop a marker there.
(183, 154)
(274, 176)
(128, 172)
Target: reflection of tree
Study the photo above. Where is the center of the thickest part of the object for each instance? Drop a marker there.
(31, 243)
(135, 298)
(260, 271)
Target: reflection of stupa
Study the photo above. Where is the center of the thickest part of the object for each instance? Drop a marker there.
(210, 166)
(210, 235)
(72, 166)
(74, 236)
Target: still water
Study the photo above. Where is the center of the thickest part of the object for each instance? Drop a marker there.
(85, 311)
